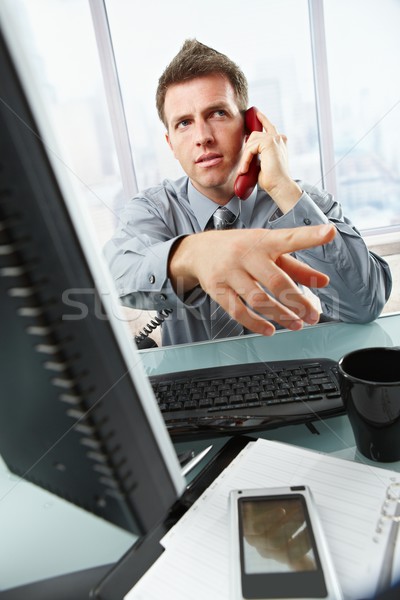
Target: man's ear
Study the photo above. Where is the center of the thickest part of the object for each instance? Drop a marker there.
(169, 143)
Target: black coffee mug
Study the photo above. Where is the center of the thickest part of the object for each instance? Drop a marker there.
(370, 387)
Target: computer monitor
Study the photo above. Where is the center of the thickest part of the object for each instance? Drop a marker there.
(77, 413)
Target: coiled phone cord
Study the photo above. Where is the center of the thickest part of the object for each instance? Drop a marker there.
(152, 325)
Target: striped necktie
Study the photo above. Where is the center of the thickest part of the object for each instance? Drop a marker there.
(223, 218)
(222, 325)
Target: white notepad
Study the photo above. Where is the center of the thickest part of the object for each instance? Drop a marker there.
(351, 499)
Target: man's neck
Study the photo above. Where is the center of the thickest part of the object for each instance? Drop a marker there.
(218, 195)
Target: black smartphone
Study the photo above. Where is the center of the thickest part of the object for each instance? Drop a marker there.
(278, 547)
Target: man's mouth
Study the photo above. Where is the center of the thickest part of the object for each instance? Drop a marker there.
(210, 159)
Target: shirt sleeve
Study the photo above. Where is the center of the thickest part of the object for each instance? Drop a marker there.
(138, 258)
(360, 280)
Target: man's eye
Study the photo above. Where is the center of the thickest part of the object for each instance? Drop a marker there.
(220, 113)
(183, 124)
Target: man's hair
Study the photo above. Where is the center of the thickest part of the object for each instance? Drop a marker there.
(197, 60)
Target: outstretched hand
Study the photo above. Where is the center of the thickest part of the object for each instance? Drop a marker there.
(250, 274)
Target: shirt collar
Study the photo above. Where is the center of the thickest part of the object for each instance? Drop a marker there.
(204, 208)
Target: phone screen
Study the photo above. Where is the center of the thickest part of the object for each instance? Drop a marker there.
(278, 549)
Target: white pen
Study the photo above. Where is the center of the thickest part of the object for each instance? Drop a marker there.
(195, 461)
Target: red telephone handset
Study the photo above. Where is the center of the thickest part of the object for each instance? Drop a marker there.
(245, 183)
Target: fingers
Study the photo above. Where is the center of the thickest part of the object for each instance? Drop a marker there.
(283, 301)
(266, 123)
(287, 306)
(301, 272)
(232, 304)
(251, 150)
(258, 141)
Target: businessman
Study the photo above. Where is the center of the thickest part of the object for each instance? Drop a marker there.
(244, 270)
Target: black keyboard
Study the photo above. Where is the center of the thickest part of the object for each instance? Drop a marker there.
(248, 397)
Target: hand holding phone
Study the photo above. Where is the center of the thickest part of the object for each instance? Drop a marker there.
(278, 546)
(246, 182)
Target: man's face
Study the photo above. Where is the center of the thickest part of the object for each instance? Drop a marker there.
(206, 133)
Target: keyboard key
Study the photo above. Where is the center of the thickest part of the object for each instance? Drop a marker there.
(298, 391)
(328, 387)
(250, 398)
(175, 406)
(312, 389)
(190, 405)
(205, 403)
(236, 399)
(266, 395)
(221, 401)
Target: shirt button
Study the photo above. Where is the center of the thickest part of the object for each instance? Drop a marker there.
(152, 278)
(163, 297)
(307, 221)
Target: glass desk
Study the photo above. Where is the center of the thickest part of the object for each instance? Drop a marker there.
(327, 340)
(44, 536)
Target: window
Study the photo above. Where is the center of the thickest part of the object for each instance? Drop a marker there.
(61, 44)
(363, 48)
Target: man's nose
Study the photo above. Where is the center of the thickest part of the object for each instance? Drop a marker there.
(204, 134)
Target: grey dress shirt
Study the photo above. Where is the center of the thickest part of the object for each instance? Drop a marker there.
(149, 225)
